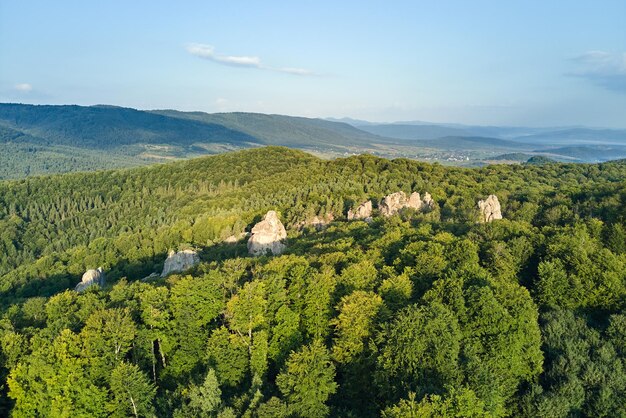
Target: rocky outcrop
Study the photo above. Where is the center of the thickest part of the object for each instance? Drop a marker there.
(428, 203)
(180, 261)
(489, 209)
(92, 277)
(397, 201)
(363, 211)
(267, 235)
(415, 201)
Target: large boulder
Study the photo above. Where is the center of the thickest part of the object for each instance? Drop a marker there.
(267, 235)
(92, 277)
(363, 211)
(489, 209)
(180, 261)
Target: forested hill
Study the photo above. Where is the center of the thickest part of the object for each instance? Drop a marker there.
(289, 131)
(42, 139)
(423, 313)
(49, 139)
(108, 127)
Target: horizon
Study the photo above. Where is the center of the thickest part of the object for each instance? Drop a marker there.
(481, 64)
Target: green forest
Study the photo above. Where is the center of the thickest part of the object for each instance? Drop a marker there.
(420, 314)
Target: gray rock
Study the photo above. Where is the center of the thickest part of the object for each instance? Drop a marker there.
(489, 209)
(267, 235)
(180, 261)
(92, 277)
(363, 211)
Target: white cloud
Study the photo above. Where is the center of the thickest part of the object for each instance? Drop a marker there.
(208, 52)
(23, 87)
(295, 71)
(603, 68)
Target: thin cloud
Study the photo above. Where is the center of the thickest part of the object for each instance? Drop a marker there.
(604, 69)
(23, 87)
(208, 52)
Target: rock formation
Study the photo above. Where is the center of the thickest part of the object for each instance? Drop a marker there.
(489, 209)
(267, 235)
(415, 201)
(428, 203)
(92, 277)
(180, 261)
(363, 211)
(397, 201)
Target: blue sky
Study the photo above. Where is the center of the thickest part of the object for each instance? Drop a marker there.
(537, 63)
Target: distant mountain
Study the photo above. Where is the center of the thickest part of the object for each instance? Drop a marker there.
(414, 131)
(53, 139)
(284, 130)
(44, 139)
(589, 153)
(103, 127)
(354, 122)
(431, 130)
(577, 136)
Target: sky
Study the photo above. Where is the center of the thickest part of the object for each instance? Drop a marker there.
(532, 63)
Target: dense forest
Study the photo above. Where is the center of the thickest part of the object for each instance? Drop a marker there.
(421, 314)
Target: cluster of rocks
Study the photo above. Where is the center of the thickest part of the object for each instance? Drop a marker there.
(92, 277)
(267, 235)
(393, 203)
(180, 261)
(489, 209)
(363, 211)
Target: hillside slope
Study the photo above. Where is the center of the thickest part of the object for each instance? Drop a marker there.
(108, 127)
(426, 311)
(289, 131)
